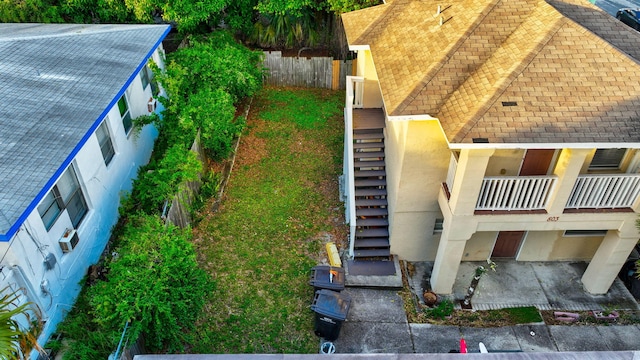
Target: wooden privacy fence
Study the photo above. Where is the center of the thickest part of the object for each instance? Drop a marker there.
(178, 213)
(314, 72)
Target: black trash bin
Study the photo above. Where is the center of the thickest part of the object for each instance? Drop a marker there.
(327, 277)
(331, 309)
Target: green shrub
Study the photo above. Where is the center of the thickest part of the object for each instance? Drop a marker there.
(442, 310)
(155, 283)
(159, 182)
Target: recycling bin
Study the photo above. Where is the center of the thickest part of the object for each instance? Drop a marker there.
(331, 309)
(327, 277)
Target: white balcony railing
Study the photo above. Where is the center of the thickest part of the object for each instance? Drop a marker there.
(604, 191)
(353, 99)
(451, 174)
(515, 192)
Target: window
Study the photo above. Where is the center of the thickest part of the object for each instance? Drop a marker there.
(50, 208)
(106, 146)
(66, 194)
(569, 233)
(123, 106)
(607, 159)
(438, 226)
(145, 76)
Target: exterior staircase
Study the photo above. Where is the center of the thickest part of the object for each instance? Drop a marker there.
(372, 224)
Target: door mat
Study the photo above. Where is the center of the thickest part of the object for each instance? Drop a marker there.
(371, 268)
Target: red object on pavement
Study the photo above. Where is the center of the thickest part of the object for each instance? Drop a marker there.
(463, 346)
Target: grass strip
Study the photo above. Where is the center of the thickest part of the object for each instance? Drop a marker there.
(280, 206)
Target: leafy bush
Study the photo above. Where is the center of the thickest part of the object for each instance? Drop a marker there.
(442, 310)
(155, 283)
(216, 61)
(159, 182)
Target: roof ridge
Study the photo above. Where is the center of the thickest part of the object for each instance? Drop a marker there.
(31, 32)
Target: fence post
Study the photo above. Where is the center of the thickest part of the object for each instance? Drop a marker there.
(335, 79)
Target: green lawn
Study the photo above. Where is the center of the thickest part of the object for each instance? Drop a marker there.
(280, 206)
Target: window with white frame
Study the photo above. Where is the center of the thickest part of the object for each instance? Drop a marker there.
(607, 159)
(106, 145)
(584, 233)
(67, 195)
(125, 114)
(145, 76)
(439, 226)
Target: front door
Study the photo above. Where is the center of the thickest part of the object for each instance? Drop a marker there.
(507, 244)
(536, 162)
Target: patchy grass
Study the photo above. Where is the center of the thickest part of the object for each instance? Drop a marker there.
(281, 205)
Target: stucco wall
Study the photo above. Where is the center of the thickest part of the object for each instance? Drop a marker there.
(372, 95)
(417, 158)
(479, 247)
(505, 162)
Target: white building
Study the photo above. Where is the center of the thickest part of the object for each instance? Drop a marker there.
(68, 149)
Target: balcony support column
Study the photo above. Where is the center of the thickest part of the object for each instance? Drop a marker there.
(567, 169)
(609, 258)
(450, 252)
(467, 183)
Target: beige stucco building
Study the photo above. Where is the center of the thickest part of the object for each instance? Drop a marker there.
(511, 129)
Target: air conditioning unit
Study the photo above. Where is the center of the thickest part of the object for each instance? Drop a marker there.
(151, 105)
(69, 240)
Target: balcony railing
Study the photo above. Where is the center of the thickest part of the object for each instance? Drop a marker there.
(515, 192)
(353, 99)
(451, 174)
(604, 191)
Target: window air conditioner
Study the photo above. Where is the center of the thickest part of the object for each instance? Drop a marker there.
(69, 240)
(151, 105)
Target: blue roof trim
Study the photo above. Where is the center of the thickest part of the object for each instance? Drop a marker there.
(65, 164)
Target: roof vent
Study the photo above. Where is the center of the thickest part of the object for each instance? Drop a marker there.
(509, 103)
(480, 140)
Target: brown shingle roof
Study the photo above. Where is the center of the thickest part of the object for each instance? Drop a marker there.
(571, 82)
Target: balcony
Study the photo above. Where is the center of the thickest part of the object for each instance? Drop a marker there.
(604, 191)
(534, 193)
(515, 193)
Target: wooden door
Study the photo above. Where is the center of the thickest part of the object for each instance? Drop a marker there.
(537, 162)
(507, 244)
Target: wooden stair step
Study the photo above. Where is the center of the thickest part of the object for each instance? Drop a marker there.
(372, 212)
(368, 164)
(371, 243)
(369, 173)
(371, 202)
(368, 145)
(372, 222)
(368, 154)
(361, 253)
(371, 192)
(371, 233)
(370, 182)
(368, 135)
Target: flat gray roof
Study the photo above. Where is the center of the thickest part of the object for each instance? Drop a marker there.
(57, 83)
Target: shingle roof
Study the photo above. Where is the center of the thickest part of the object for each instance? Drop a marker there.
(56, 82)
(570, 81)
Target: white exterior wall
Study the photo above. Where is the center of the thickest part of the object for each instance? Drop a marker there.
(102, 187)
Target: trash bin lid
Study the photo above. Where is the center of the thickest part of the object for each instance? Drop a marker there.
(320, 277)
(331, 303)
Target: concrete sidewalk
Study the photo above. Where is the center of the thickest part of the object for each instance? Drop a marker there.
(377, 322)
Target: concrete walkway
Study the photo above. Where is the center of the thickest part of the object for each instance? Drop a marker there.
(377, 322)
